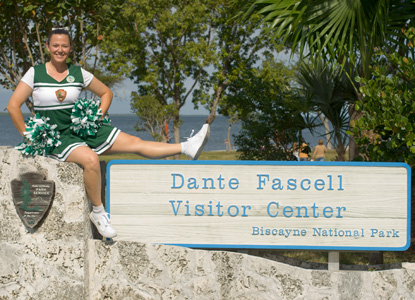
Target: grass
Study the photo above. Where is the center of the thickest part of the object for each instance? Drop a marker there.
(346, 258)
(207, 155)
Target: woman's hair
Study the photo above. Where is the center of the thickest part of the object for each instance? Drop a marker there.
(320, 142)
(58, 31)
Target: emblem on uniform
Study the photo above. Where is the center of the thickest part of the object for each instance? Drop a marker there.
(32, 197)
(70, 79)
(61, 94)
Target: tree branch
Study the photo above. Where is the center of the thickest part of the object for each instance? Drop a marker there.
(11, 71)
(193, 85)
(81, 24)
(42, 58)
(158, 94)
(96, 50)
(7, 77)
(28, 48)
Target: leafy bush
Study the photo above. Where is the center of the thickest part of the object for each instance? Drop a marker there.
(271, 117)
(385, 132)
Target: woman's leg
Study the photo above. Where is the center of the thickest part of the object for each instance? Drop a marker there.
(126, 143)
(89, 160)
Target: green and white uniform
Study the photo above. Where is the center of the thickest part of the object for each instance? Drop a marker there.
(55, 100)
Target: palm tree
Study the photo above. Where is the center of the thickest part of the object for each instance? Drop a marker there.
(345, 31)
(330, 93)
(337, 28)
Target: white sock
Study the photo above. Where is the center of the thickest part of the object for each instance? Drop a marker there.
(98, 209)
(184, 146)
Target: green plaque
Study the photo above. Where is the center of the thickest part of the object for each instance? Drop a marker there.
(32, 197)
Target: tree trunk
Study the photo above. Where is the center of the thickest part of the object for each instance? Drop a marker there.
(325, 122)
(212, 113)
(353, 151)
(176, 130)
(354, 115)
(340, 147)
(229, 144)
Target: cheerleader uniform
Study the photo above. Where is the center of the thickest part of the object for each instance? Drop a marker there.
(54, 100)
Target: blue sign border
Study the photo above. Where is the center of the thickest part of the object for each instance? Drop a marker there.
(275, 163)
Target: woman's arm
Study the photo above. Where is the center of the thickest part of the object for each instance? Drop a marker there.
(19, 96)
(103, 92)
(314, 153)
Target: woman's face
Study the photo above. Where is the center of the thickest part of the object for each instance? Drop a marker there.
(59, 47)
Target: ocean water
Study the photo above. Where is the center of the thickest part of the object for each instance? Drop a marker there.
(126, 122)
(218, 130)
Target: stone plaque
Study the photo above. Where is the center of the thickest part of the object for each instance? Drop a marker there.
(32, 197)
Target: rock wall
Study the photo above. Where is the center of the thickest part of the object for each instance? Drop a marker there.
(60, 260)
(48, 262)
(127, 270)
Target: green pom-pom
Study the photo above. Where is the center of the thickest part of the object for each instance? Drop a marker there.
(87, 117)
(106, 119)
(40, 137)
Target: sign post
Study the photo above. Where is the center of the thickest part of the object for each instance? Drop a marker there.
(264, 205)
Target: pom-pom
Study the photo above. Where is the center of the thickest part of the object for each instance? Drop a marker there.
(87, 117)
(40, 137)
(106, 119)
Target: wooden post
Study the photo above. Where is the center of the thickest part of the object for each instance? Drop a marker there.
(334, 257)
(103, 167)
(376, 258)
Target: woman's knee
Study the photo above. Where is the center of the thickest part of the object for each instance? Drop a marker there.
(91, 160)
(85, 157)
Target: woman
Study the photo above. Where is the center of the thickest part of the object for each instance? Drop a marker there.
(304, 150)
(320, 151)
(295, 151)
(55, 86)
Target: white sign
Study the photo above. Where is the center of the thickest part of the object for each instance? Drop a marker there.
(268, 205)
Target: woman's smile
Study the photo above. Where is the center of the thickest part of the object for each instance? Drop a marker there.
(59, 47)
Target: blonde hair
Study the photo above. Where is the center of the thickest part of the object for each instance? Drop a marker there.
(320, 142)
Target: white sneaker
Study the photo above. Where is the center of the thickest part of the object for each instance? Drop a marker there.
(103, 224)
(196, 143)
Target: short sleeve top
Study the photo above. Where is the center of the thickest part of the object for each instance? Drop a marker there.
(49, 94)
(55, 99)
